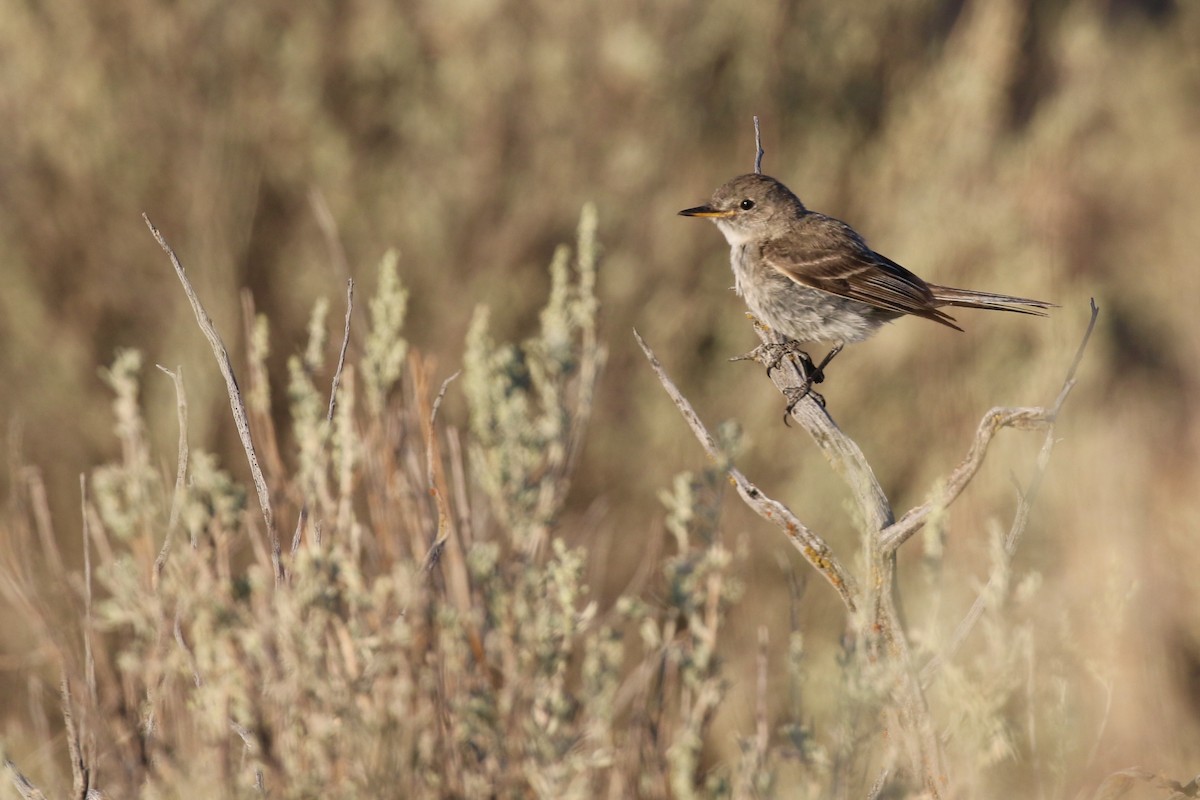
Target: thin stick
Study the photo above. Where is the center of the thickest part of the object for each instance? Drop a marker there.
(758, 156)
(811, 545)
(880, 783)
(43, 521)
(337, 375)
(446, 541)
(299, 528)
(180, 472)
(458, 475)
(761, 724)
(436, 479)
(329, 230)
(89, 658)
(81, 774)
(23, 785)
(235, 398)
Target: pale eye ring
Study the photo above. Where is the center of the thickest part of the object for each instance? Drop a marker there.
(747, 204)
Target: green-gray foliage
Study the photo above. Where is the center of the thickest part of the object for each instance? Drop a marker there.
(530, 403)
(369, 668)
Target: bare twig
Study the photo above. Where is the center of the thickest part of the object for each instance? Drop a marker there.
(235, 398)
(43, 521)
(337, 375)
(878, 786)
(329, 230)
(299, 528)
(458, 475)
(89, 657)
(446, 542)
(180, 472)
(761, 722)
(759, 152)
(23, 785)
(81, 773)
(811, 545)
(435, 476)
(441, 395)
(1119, 783)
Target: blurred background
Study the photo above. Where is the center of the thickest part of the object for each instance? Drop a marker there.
(1044, 148)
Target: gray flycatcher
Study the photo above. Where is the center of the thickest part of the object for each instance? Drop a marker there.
(812, 278)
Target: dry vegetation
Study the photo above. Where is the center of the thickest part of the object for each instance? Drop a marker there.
(489, 599)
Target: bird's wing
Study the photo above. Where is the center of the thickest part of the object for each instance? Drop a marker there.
(825, 253)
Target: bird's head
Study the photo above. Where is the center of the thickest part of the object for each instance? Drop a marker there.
(750, 207)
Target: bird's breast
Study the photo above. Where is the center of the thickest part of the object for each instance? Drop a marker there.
(797, 311)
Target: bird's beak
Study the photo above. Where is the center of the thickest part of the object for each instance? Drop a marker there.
(705, 211)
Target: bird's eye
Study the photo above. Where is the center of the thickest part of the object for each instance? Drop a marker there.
(747, 204)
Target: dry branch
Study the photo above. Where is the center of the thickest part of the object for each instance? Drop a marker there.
(842, 452)
(811, 545)
(883, 631)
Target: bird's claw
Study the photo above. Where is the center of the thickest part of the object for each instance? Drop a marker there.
(772, 354)
(796, 394)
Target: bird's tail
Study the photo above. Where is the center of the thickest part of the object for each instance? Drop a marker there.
(967, 298)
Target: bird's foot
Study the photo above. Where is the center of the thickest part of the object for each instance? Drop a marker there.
(772, 354)
(796, 394)
(812, 374)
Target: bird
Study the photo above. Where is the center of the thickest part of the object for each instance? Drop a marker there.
(814, 279)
